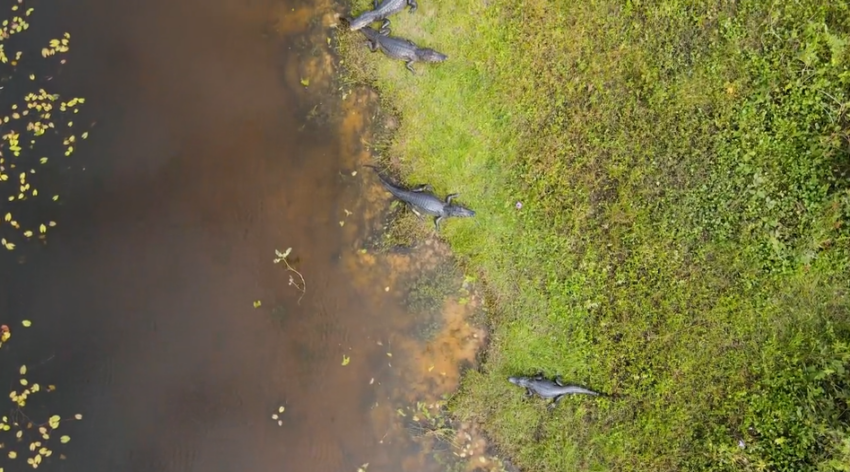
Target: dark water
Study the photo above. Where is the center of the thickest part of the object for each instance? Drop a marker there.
(202, 164)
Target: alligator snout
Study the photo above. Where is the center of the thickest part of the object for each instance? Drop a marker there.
(430, 55)
(513, 380)
(358, 23)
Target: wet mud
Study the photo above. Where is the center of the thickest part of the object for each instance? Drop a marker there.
(223, 135)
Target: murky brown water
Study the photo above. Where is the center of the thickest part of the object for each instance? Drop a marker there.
(209, 153)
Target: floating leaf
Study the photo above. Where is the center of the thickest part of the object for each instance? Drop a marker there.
(257, 304)
(13, 454)
(305, 82)
(26, 323)
(345, 359)
(64, 439)
(274, 416)
(23, 370)
(54, 421)
(281, 409)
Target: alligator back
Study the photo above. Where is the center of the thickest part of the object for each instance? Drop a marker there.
(398, 48)
(388, 7)
(425, 202)
(385, 9)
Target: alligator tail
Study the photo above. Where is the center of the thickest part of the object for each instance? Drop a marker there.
(384, 181)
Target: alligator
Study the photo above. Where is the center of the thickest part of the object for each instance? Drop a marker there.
(400, 48)
(381, 12)
(545, 388)
(422, 200)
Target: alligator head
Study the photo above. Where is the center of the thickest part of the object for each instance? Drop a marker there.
(430, 55)
(459, 211)
(521, 381)
(361, 21)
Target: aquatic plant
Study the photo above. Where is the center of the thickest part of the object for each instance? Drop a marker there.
(35, 124)
(23, 435)
(281, 257)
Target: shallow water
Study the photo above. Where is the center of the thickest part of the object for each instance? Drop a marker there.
(208, 154)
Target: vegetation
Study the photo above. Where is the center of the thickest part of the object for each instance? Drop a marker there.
(31, 114)
(663, 204)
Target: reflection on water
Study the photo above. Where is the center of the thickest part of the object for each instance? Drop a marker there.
(222, 140)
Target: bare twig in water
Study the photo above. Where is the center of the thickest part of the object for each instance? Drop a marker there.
(281, 257)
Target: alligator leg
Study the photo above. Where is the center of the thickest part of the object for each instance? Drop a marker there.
(376, 3)
(528, 393)
(423, 188)
(385, 25)
(410, 67)
(373, 46)
(413, 5)
(449, 198)
(554, 402)
(437, 222)
(538, 376)
(558, 381)
(384, 30)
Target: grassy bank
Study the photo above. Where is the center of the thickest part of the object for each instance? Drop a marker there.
(683, 237)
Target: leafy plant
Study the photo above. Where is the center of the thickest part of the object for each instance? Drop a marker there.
(36, 123)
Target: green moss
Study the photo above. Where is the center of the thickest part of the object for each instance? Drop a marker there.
(683, 237)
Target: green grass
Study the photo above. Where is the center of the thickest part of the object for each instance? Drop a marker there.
(683, 241)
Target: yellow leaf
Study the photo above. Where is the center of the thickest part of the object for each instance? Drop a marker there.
(8, 217)
(28, 233)
(42, 228)
(13, 454)
(54, 421)
(55, 198)
(24, 382)
(345, 359)
(43, 160)
(257, 304)
(305, 82)
(85, 135)
(64, 439)
(51, 223)
(281, 409)
(78, 416)
(26, 323)
(23, 370)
